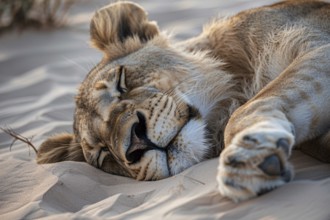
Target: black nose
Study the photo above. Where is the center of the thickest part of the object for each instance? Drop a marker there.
(139, 141)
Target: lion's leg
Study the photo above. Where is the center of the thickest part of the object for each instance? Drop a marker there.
(260, 135)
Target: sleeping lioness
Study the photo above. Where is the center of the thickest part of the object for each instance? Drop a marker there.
(248, 88)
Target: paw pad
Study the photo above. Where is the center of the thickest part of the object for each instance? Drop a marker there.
(272, 166)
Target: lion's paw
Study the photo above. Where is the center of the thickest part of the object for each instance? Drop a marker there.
(256, 161)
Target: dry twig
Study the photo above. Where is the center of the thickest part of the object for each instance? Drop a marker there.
(18, 137)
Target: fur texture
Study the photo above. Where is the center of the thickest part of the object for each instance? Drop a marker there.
(250, 86)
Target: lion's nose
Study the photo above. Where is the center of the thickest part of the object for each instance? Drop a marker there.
(139, 140)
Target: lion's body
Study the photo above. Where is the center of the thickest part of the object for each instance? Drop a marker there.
(253, 85)
(258, 45)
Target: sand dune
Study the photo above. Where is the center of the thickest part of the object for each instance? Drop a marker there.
(39, 74)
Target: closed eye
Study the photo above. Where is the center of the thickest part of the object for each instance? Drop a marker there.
(121, 80)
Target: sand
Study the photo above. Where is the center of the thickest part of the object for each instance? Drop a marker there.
(39, 75)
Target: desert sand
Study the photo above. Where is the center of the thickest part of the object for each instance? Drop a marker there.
(39, 75)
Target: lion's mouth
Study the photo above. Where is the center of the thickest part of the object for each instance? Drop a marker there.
(140, 143)
(180, 151)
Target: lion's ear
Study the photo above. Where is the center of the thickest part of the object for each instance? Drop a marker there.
(61, 147)
(120, 27)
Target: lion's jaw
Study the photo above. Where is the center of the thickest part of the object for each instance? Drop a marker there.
(175, 140)
(148, 148)
(187, 148)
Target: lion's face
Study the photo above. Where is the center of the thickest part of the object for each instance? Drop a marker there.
(139, 112)
(131, 119)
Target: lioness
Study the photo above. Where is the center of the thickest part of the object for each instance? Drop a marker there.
(250, 87)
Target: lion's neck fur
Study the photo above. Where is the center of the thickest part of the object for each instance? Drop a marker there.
(214, 92)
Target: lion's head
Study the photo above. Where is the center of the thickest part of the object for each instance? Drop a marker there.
(132, 116)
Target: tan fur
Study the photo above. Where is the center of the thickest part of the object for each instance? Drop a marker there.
(110, 36)
(60, 148)
(250, 86)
